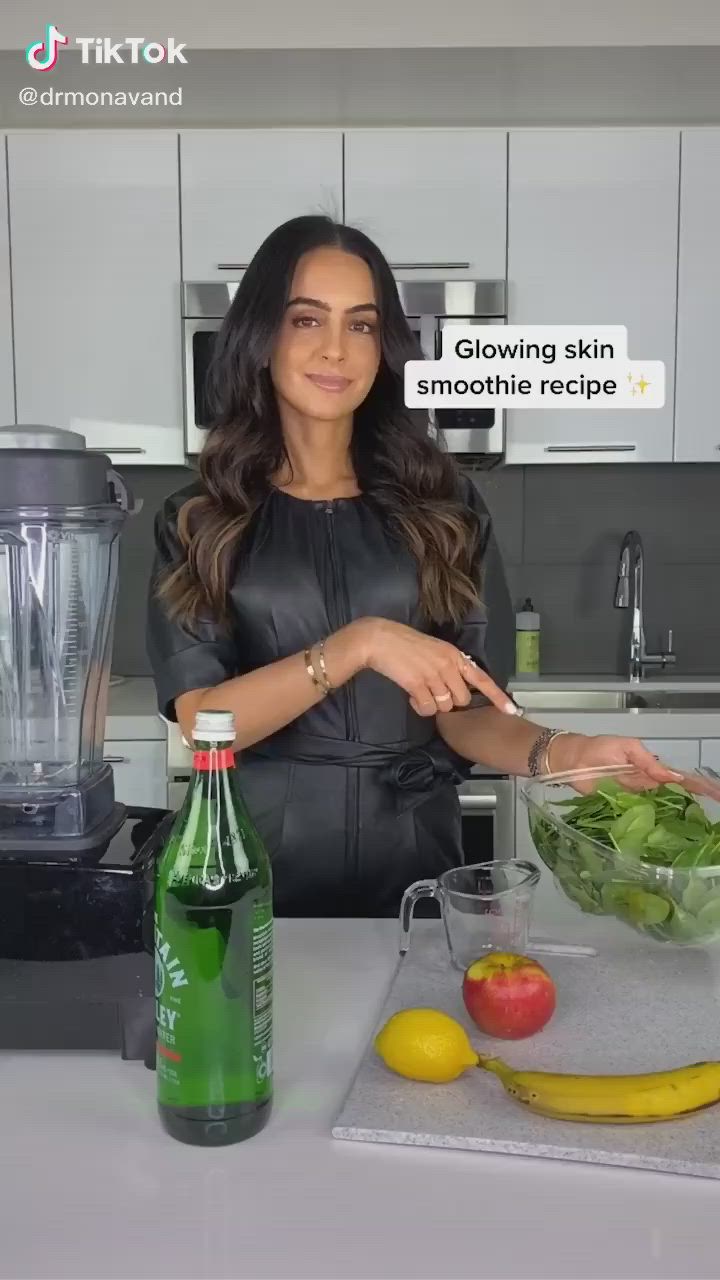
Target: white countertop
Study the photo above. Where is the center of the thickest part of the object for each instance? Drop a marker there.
(133, 710)
(94, 1188)
(133, 705)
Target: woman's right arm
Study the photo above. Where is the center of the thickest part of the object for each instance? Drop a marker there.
(267, 699)
(195, 672)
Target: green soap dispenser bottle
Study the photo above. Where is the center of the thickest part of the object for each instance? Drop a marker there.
(527, 640)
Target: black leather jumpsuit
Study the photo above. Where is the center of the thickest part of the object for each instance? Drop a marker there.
(357, 797)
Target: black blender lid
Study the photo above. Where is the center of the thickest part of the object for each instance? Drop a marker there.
(46, 466)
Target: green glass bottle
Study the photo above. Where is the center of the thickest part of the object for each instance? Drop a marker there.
(213, 955)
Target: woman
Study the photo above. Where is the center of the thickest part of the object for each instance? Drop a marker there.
(329, 578)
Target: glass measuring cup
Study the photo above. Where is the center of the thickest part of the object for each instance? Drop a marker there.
(485, 907)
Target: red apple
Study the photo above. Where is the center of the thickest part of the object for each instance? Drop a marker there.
(508, 996)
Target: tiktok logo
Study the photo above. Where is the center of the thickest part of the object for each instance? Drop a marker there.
(42, 55)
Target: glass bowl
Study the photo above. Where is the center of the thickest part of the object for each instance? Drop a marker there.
(617, 847)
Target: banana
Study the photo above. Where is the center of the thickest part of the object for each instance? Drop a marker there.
(636, 1099)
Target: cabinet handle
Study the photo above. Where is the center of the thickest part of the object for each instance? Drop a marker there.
(430, 266)
(113, 448)
(396, 266)
(590, 448)
(116, 759)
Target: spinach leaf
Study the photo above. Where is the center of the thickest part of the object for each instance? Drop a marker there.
(632, 828)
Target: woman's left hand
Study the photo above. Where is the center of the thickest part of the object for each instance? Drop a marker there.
(578, 751)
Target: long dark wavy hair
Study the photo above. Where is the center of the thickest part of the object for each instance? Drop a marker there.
(412, 482)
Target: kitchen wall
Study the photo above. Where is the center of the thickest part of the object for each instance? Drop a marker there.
(560, 530)
(506, 87)
(411, 23)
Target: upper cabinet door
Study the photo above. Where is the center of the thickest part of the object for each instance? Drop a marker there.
(592, 239)
(434, 200)
(96, 288)
(697, 427)
(238, 185)
(7, 393)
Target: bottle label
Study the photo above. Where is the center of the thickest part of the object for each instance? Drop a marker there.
(170, 978)
(262, 962)
(213, 1004)
(527, 652)
(224, 758)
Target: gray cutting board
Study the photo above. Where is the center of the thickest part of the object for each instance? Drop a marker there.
(632, 1007)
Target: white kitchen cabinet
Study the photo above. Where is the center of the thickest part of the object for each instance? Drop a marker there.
(710, 753)
(592, 239)
(237, 185)
(140, 771)
(678, 753)
(697, 429)
(96, 288)
(7, 392)
(434, 199)
(551, 909)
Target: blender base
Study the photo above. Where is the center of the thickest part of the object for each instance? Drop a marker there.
(76, 943)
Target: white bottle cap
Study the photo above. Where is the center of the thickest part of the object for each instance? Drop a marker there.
(214, 726)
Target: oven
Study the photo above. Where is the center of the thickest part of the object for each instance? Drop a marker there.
(203, 308)
(431, 306)
(487, 810)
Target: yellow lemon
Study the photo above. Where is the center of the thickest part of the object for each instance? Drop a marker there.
(425, 1044)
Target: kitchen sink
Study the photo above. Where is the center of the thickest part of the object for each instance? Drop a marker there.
(672, 699)
(571, 699)
(617, 699)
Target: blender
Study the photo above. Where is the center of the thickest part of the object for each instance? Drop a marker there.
(75, 866)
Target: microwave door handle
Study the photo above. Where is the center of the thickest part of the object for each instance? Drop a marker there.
(428, 333)
(486, 803)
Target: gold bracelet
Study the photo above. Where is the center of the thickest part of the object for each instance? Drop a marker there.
(319, 681)
(323, 668)
(310, 668)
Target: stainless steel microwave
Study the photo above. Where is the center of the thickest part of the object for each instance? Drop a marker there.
(431, 306)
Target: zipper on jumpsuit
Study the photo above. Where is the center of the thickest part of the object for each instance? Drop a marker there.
(342, 613)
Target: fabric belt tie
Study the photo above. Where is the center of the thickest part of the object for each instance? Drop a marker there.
(414, 772)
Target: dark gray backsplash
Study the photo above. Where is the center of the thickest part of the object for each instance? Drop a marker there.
(152, 484)
(560, 530)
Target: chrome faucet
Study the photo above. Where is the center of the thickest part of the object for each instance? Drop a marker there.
(629, 595)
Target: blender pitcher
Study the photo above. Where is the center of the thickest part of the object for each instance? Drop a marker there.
(62, 508)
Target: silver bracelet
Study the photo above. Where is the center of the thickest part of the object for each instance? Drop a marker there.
(557, 734)
(540, 750)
